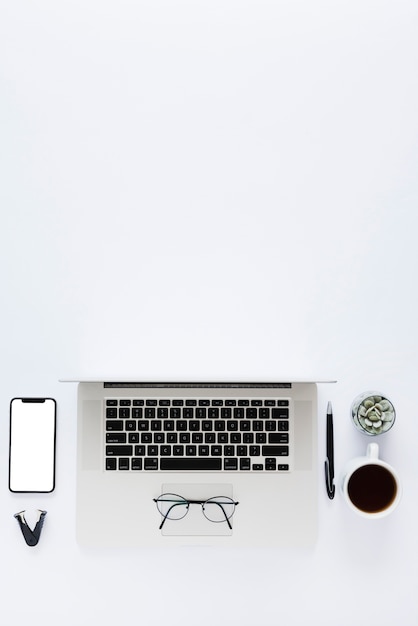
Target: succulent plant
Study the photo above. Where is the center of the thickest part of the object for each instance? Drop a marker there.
(375, 414)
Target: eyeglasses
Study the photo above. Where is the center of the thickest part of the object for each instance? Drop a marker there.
(175, 507)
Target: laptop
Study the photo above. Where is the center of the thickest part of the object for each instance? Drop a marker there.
(196, 463)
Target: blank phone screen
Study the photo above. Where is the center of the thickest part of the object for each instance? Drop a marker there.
(32, 445)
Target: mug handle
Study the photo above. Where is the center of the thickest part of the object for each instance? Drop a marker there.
(372, 451)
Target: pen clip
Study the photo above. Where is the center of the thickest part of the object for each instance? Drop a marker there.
(329, 480)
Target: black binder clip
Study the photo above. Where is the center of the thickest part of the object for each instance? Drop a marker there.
(31, 536)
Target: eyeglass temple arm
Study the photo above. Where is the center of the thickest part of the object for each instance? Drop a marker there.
(223, 511)
(168, 512)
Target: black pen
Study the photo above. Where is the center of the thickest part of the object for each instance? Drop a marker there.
(329, 462)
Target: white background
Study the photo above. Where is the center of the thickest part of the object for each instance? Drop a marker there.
(222, 188)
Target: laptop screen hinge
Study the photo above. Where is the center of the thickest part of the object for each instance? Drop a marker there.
(194, 385)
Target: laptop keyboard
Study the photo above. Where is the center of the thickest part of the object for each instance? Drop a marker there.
(218, 434)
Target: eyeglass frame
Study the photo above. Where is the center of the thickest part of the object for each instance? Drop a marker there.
(187, 501)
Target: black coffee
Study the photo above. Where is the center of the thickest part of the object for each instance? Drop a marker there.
(372, 488)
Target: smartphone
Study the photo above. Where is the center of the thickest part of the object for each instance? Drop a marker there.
(32, 445)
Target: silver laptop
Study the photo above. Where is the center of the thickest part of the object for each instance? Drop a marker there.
(225, 464)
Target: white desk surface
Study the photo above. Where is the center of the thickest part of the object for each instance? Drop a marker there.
(211, 189)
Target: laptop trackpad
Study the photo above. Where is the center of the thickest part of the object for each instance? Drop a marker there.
(195, 522)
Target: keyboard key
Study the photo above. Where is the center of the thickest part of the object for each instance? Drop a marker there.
(150, 464)
(111, 464)
(124, 413)
(136, 464)
(177, 402)
(217, 402)
(278, 438)
(138, 402)
(130, 425)
(136, 413)
(216, 450)
(165, 450)
(133, 437)
(231, 464)
(125, 403)
(113, 425)
(191, 464)
(280, 414)
(124, 464)
(119, 450)
(116, 437)
(191, 450)
(111, 402)
(245, 464)
(151, 402)
(270, 465)
(164, 402)
(191, 402)
(275, 450)
(111, 413)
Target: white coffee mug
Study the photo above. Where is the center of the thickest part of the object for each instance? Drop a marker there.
(370, 486)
